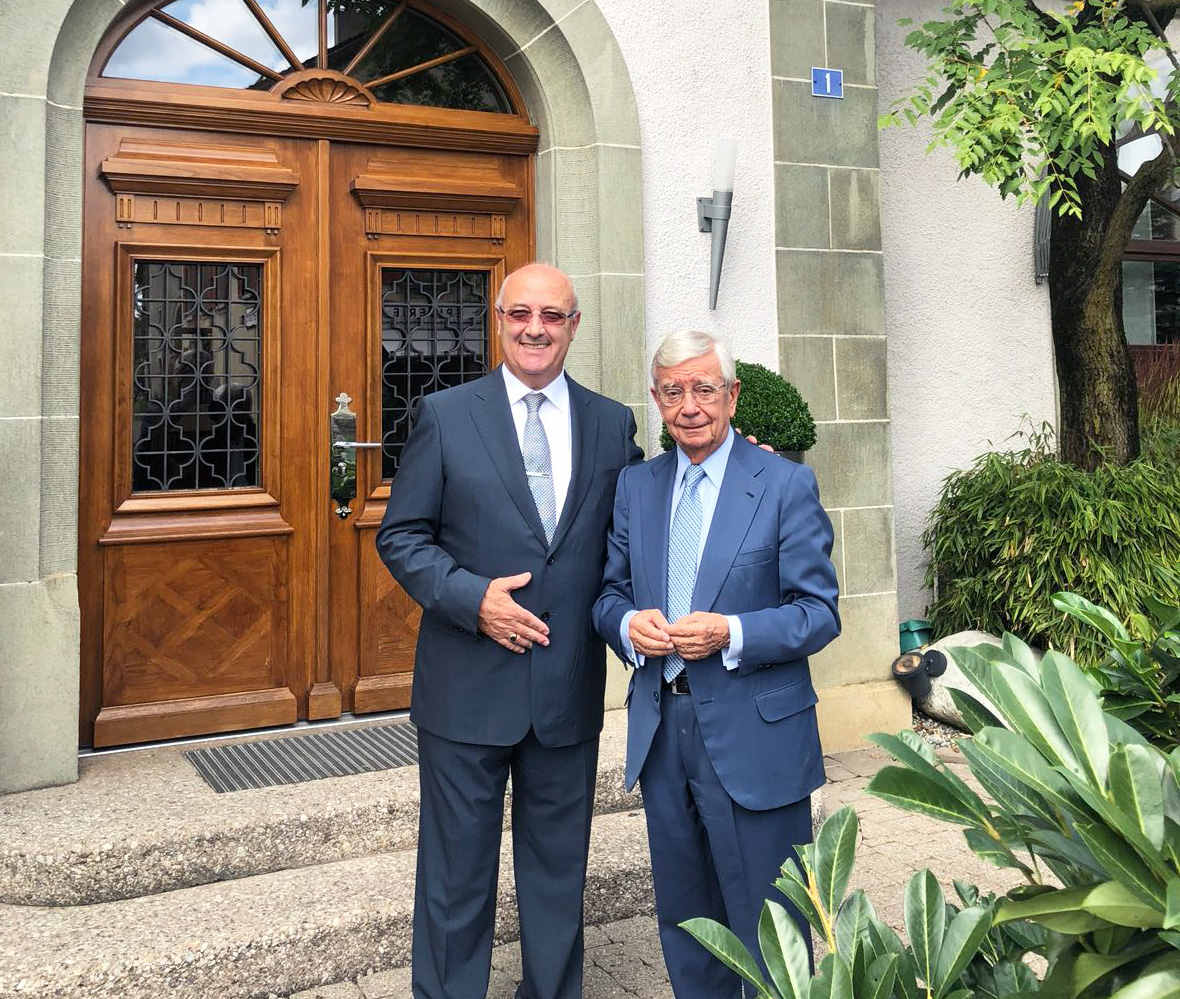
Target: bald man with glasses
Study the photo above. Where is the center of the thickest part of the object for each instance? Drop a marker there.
(496, 525)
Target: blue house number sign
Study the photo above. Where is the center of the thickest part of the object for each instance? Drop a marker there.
(827, 82)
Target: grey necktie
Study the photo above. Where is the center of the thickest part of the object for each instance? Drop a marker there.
(538, 466)
(684, 541)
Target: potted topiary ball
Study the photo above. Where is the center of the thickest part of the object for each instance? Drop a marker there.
(771, 409)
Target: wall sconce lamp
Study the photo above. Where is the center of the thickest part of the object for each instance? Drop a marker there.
(713, 213)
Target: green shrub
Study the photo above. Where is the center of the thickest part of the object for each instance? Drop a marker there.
(1021, 525)
(1139, 666)
(770, 408)
(1078, 802)
(955, 953)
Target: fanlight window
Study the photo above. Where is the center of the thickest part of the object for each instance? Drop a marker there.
(395, 52)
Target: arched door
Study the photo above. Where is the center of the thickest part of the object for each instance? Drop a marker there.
(297, 213)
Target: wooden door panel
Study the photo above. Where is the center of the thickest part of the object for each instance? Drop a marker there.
(388, 633)
(194, 618)
(193, 532)
(400, 210)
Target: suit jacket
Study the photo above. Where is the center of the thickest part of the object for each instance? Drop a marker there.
(460, 514)
(766, 560)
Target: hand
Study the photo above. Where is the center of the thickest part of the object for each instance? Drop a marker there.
(502, 619)
(648, 631)
(753, 440)
(700, 634)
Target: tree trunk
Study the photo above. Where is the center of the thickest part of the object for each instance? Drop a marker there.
(1096, 378)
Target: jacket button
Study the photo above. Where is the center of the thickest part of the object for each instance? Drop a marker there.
(545, 616)
(551, 559)
(655, 695)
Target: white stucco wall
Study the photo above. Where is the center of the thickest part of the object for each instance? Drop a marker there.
(969, 342)
(717, 84)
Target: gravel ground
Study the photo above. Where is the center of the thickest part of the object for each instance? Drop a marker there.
(935, 732)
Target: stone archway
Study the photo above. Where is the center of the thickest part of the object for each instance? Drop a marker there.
(567, 64)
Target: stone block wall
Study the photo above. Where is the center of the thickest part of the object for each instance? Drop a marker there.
(831, 324)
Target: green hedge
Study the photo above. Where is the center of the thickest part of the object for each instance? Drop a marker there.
(1020, 525)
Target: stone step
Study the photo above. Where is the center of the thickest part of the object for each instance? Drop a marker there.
(141, 823)
(275, 933)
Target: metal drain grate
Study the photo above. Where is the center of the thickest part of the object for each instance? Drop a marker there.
(294, 758)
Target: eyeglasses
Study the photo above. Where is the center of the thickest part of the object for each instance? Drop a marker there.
(702, 393)
(522, 317)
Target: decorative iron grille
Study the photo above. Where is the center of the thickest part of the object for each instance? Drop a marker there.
(433, 335)
(196, 375)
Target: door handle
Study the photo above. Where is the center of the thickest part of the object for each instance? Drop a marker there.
(342, 462)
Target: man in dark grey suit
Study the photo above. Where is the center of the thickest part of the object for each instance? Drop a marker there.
(496, 526)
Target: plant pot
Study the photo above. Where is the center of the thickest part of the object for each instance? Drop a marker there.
(914, 634)
(909, 669)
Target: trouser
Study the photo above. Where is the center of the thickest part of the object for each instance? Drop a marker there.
(459, 827)
(709, 856)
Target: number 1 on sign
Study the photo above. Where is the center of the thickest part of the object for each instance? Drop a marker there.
(827, 82)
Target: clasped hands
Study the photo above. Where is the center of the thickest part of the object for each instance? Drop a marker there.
(694, 636)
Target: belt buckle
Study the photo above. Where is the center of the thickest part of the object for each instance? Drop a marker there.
(678, 684)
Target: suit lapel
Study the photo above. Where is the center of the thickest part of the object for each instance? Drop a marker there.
(737, 502)
(584, 440)
(493, 422)
(654, 517)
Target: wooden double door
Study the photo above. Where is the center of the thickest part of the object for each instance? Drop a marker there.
(260, 316)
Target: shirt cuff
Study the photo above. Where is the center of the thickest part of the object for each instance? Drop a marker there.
(633, 658)
(732, 656)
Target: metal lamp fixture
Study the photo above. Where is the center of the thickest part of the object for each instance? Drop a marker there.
(713, 213)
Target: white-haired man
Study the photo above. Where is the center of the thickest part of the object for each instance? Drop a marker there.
(718, 586)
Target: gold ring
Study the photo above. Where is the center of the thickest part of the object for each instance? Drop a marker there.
(514, 638)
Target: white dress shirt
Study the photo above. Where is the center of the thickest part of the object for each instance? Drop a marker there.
(708, 491)
(554, 414)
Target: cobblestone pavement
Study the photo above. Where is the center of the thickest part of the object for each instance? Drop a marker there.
(623, 959)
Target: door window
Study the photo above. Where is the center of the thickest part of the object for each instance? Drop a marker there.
(196, 375)
(434, 334)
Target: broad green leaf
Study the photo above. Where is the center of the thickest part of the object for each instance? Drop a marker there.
(1023, 704)
(1172, 912)
(975, 714)
(1122, 863)
(1136, 784)
(798, 896)
(841, 978)
(878, 983)
(1060, 910)
(720, 941)
(1164, 984)
(1020, 654)
(1115, 903)
(925, 922)
(1097, 617)
(1077, 712)
(852, 924)
(1009, 789)
(919, 793)
(923, 762)
(1090, 968)
(835, 853)
(993, 851)
(1008, 750)
(960, 945)
(784, 951)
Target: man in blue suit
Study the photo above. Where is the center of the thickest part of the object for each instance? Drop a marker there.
(718, 586)
(496, 526)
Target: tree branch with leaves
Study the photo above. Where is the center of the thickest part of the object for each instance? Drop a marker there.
(1032, 101)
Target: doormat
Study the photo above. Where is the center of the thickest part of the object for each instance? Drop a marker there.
(248, 766)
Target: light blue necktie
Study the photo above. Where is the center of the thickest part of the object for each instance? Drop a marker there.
(538, 466)
(684, 541)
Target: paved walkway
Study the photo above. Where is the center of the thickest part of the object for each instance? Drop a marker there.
(623, 959)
